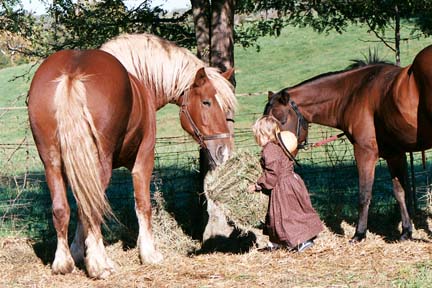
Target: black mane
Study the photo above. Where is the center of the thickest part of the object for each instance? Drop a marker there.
(371, 59)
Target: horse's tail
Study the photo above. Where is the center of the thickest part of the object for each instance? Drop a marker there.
(79, 140)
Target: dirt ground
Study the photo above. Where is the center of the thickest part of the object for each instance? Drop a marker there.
(331, 262)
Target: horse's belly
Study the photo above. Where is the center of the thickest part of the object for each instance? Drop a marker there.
(409, 138)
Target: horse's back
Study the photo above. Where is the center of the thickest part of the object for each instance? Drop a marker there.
(422, 69)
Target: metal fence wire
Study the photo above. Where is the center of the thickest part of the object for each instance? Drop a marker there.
(329, 172)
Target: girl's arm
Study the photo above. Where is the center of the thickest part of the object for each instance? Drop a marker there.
(269, 177)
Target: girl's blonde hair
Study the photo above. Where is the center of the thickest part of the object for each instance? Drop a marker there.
(265, 129)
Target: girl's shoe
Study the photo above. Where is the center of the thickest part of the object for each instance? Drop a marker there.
(304, 246)
(270, 247)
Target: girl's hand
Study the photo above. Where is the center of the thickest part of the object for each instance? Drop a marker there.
(251, 188)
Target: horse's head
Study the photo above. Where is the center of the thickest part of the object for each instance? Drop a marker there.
(205, 119)
(285, 110)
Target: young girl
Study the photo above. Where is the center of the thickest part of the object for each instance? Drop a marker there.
(291, 221)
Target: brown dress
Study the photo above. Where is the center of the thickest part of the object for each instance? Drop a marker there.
(290, 218)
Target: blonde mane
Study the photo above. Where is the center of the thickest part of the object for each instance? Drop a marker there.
(166, 68)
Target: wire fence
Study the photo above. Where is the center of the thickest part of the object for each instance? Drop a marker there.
(329, 171)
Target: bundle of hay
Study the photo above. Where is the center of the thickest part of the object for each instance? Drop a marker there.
(227, 186)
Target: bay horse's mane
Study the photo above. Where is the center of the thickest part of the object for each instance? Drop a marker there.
(372, 60)
(167, 68)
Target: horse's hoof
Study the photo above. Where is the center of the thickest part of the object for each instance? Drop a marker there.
(406, 235)
(357, 238)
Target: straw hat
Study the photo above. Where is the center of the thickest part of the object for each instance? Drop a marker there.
(288, 139)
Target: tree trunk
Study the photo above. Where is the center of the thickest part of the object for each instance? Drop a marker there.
(214, 30)
(397, 36)
(222, 35)
(201, 18)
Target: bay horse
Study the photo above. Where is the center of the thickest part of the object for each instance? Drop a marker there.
(383, 109)
(92, 111)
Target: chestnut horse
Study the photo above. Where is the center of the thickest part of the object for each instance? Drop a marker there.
(89, 114)
(384, 110)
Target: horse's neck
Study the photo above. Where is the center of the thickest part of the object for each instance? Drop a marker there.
(160, 96)
(317, 104)
(154, 80)
(325, 99)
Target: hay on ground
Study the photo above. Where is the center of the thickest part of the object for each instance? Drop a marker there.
(167, 232)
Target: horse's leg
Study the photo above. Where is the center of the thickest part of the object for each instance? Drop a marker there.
(366, 160)
(97, 263)
(141, 175)
(96, 260)
(399, 173)
(63, 262)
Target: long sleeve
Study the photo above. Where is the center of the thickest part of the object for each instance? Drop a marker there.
(270, 165)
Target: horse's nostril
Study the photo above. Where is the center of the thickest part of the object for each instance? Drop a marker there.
(222, 153)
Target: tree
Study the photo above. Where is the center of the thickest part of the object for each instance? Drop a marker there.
(214, 29)
(379, 15)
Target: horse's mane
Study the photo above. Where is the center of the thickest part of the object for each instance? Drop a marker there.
(165, 67)
(371, 60)
(358, 63)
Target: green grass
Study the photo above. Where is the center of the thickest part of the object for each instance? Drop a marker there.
(417, 276)
(14, 84)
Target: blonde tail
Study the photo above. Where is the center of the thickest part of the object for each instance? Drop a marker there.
(78, 143)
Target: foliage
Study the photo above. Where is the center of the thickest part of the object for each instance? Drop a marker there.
(69, 24)
(380, 16)
(72, 24)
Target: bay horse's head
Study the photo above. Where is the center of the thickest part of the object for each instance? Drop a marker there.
(285, 110)
(203, 115)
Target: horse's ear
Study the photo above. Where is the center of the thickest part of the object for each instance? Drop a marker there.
(180, 100)
(285, 97)
(200, 77)
(270, 94)
(228, 73)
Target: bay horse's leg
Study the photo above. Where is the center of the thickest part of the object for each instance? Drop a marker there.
(63, 262)
(141, 176)
(366, 159)
(399, 173)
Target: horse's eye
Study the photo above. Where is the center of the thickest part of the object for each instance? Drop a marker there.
(206, 103)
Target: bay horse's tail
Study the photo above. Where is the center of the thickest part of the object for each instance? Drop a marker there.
(79, 140)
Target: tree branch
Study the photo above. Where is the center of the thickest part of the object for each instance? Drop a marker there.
(380, 37)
